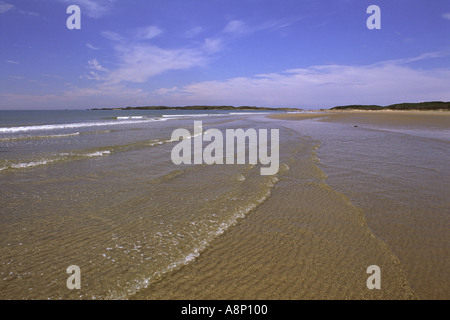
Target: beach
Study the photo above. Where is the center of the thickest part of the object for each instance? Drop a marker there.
(316, 234)
(353, 190)
(225, 157)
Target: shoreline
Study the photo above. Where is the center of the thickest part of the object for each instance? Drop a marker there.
(420, 130)
(286, 249)
(305, 241)
(404, 119)
(355, 111)
(344, 198)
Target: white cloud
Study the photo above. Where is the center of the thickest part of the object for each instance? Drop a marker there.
(239, 27)
(320, 87)
(93, 64)
(235, 26)
(212, 45)
(139, 62)
(76, 97)
(193, 32)
(12, 61)
(102, 90)
(423, 56)
(148, 33)
(114, 36)
(164, 91)
(446, 15)
(5, 7)
(93, 8)
(91, 46)
(52, 76)
(95, 67)
(17, 77)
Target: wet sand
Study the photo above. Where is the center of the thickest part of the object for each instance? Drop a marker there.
(309, 240)
(396, 172)
(344, 199)
(306, 241)
(431, 119)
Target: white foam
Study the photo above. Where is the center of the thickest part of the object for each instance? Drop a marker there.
(247, 113)
(130, 117)
(41, 137)
(98, 153)
(47, 127)
(195, 252)
(61, 156)
(30, 164)
(61, 135)
(191, 115)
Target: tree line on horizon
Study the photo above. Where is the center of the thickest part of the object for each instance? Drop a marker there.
(198, 108)
(423, 106)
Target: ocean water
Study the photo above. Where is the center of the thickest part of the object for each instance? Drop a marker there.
(98, 189)
(358, 190)
(395, 168)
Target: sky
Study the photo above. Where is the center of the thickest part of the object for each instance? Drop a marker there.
(308, 54)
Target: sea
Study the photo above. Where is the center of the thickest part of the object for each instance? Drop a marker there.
(99, 190)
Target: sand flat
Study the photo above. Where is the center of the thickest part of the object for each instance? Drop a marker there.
(430, 119)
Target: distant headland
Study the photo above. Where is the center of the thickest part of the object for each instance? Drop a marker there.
(421, 106)
(242, 108)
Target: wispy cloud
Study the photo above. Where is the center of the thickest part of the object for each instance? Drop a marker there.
(236, 27)
(320, 86)
(147, 33)
(76, 97)
(91, 46)
(138, 59)
(136, 35)
(93, 64)
(446, 16)
(96, 69)
(423, 56)
(93, 8)
(12, 61)
(193, 32)
(15, 77)
(139, 62)
(5, 7)
(164, 91)
(113, 36)
(239, 27)
(52, 76)
(212, 45)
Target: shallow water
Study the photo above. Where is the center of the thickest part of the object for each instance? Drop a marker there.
(111, 202)
(108, 198)
(397, 171)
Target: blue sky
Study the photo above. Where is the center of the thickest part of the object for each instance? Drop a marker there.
(287, 53)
